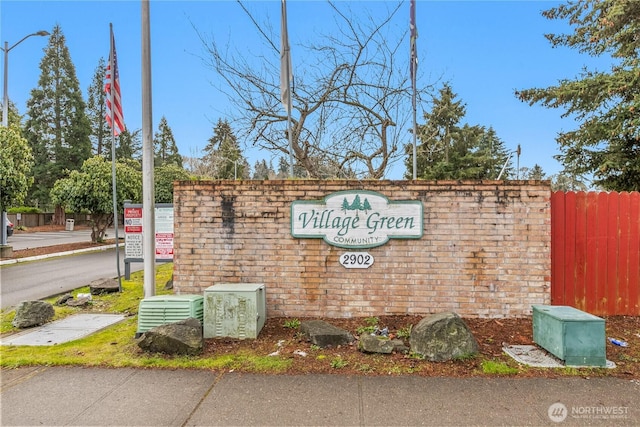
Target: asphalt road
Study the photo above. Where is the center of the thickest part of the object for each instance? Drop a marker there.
(50, 238)
(53, 276)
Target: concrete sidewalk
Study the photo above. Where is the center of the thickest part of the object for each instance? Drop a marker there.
(139, 397)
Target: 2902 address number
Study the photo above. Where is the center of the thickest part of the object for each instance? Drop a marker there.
(356, 260)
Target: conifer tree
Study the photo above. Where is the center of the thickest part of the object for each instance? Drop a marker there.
(605, 104)
(451, 149)
(223, 154)
(57, 128)
(97, 110)
(261, 170)
(128, 145)
(166, 150)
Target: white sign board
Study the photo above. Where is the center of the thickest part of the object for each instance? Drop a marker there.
(356, 260)
(356, 219)
(133, 229)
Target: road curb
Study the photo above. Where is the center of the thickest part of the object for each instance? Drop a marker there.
(58, 254)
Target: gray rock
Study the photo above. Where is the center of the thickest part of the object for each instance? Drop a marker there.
(183, 337)
(63, 299)
(104, 286)
(79, 302)
(442, 337)
(324, 334)
(379, 344)
(33, 313)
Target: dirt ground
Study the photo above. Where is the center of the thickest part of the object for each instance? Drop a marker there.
(491, 334)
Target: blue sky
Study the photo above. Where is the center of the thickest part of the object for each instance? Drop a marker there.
(485, 49)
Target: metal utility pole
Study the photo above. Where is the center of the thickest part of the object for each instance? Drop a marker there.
(148, 201)
(5, 115)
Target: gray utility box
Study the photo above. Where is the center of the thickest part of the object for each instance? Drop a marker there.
(235, 310)
(570, 334)
(162, 309)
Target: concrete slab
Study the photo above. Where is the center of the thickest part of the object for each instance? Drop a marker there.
(64, 330)
(56, 396)
(532, 355)
(441, 401)
(280, 400)
(149, 398)
(153, 397)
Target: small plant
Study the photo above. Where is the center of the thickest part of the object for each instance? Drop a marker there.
(292, 324)
(395, 370)
(315, 347)
(338, 363)
(466, 356)
(500, 368)
(372, 325)
(405, 332)
(372, 321)
(365, 330)
(366, 368)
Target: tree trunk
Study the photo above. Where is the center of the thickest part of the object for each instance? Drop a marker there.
(58, 216)
(99, 224)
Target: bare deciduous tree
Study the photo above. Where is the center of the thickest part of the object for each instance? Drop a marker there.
(350, 102)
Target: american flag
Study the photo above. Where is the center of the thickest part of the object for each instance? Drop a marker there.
(114, 115)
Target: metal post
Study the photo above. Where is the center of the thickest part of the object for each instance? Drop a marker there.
(148, 201)
(5, 115)
(5, 99)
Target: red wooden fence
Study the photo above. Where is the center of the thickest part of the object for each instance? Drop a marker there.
(595, 252)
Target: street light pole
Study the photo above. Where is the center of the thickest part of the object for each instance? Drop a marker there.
(235, 166)
(6, 49)
(5, 116)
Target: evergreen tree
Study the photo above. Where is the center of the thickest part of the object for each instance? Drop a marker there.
(605, 104)
(283, 168)
(449, 149)
(97, 110)
(534, 173)
(128, 145)
(14, 115)
(261, 170)
(166, 150)
(57, 128)
(436, 135)
(223, 154)
(492, 156)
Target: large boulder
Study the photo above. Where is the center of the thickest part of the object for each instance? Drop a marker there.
(324, 334)
(33, 313)
(183, 337)
(442, 337)
(104, 286)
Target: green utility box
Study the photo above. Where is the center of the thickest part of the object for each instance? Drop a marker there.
(571, 335)
(162, 309)
(235, 310)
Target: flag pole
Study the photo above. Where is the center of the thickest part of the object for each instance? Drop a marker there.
(285, 79)
(414, 68)
(113, 151)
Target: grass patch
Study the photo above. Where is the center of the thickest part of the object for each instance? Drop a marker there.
(115, 346)
(497, 368)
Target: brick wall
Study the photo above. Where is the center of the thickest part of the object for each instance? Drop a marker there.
(485, 251)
